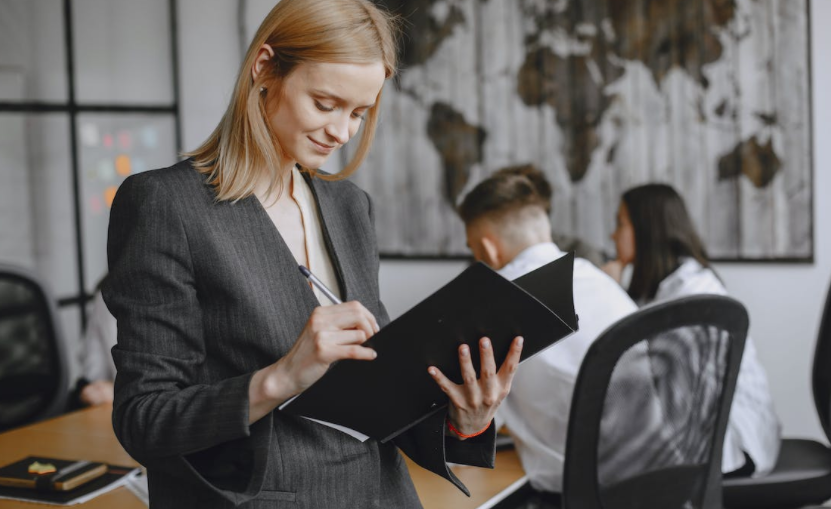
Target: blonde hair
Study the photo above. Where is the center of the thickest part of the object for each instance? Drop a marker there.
(316, 31)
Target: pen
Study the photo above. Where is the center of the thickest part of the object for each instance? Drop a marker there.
(320, 286)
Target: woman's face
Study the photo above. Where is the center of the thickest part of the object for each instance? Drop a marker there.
(321, 107)
(624, 236)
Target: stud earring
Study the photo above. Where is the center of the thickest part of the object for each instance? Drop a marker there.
(262, 90)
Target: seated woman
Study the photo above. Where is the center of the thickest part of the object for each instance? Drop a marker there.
(656, 235)
(95, 387)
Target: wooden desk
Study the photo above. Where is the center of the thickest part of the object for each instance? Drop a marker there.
(487, 487)
(88, 434)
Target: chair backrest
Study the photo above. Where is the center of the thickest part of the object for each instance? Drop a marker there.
(822, 368)
(650, 408)
(34, 376)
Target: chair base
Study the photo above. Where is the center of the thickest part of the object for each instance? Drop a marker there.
(802, 476)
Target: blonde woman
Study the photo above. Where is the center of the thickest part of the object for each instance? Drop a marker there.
(216, 325)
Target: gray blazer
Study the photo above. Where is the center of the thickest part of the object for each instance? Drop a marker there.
(206, 293)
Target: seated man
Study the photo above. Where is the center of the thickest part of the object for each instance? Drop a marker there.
(508, 228)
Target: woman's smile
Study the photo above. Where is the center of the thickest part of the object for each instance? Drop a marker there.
(322, 147)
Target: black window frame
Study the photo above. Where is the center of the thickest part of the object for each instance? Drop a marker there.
(70, 106)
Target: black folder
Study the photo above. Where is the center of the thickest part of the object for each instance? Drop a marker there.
(385, 397)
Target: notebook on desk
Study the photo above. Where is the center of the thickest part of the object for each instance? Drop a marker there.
(49, 474)
(71, 482)
(387, 396)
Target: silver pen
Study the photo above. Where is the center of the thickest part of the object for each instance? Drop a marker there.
(319, 285)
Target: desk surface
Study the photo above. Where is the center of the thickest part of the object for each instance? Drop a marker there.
(88, 434)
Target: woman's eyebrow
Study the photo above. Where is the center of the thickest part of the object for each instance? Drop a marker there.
(337, 98)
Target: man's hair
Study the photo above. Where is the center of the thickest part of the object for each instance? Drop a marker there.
(508, 190)
(536, 177)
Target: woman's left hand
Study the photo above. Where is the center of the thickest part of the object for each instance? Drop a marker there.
(474, 402)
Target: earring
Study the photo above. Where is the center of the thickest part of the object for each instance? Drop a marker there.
(262, 90)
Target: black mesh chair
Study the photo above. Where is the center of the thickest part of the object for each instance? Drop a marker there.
(650, 408)
(34, 374)
(802, 475)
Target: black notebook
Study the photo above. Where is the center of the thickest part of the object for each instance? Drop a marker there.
(18, 484)
(49, 474)
(385, 397)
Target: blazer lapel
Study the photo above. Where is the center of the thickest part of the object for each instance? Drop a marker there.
(277, 255)
(329, 218)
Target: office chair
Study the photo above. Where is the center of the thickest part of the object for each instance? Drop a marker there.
(650, 408)
(34, 374)
(802, 475)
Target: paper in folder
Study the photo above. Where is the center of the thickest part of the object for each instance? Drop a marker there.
(384, 397)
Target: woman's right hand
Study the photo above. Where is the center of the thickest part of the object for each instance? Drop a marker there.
(614, 269)
(332, 333)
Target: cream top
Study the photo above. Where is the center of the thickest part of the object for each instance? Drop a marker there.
(319, 262)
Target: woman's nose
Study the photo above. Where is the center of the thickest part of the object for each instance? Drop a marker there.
(339, 129)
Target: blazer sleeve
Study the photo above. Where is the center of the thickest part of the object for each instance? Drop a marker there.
(163, 414)
(426, 442)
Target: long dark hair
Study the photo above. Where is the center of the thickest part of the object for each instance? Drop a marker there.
(664, 233)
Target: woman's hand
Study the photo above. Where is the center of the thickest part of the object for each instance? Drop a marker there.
(331, 334)
(614, 269)
(474, 402)
(99, 392)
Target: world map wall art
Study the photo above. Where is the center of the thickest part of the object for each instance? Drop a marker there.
(711, 96)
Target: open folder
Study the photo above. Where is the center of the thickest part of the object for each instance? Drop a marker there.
(385, 397)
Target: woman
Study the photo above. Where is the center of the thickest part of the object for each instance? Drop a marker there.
(217, 327)
(656, 235)
(96, 385)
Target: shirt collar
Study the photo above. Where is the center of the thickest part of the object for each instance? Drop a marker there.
(531, 258)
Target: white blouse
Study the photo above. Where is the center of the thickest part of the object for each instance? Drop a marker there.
(753, 427)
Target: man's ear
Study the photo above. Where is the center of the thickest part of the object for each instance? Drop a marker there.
(264, 56)
(492, 250)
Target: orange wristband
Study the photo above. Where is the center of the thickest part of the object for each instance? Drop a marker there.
(462, 435)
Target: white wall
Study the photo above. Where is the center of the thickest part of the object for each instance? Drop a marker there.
(208, 63)
(784, 301)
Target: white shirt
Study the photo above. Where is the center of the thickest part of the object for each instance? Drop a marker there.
(753, 426)
(537, 408)
(100, 337)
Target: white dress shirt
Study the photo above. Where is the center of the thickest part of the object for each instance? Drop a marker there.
(753, 426)
(537, 408)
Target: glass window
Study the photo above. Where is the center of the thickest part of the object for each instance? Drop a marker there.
(123, 51)
(38, 230)
(112, 147)
(32, 51)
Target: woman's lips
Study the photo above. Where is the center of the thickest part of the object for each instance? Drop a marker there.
(321, 147)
